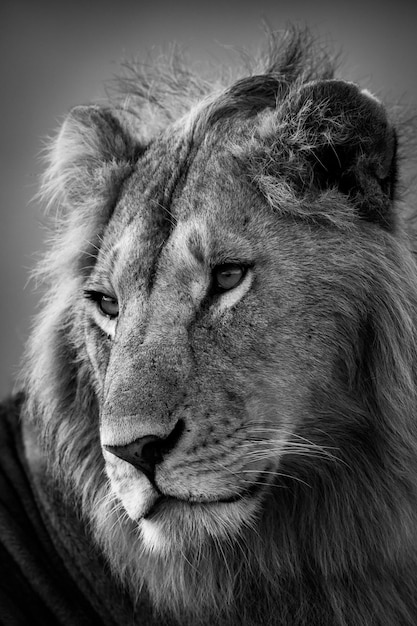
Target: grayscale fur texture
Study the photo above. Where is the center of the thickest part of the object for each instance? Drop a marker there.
(304, 386)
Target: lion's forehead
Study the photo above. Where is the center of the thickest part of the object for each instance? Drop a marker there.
(176, 164)
(188, 214)
(194, 242)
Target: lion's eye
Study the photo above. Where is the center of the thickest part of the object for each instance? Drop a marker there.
(107, 305)
(227, 276)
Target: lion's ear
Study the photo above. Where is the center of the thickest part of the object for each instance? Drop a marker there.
(88, 160)
(353, 145)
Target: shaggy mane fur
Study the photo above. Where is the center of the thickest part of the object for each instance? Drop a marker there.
(162, 90)
(352, 519)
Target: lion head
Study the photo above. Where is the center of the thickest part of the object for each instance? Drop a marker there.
(224, 371)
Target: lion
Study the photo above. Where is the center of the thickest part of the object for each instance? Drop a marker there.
(216, 417)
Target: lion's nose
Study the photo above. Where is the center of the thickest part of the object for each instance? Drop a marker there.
(147, 452)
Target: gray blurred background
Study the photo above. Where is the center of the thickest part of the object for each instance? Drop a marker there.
(58, 54)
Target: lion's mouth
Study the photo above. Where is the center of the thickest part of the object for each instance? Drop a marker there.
(165, 503)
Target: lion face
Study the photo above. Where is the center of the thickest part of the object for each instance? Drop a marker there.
(202, 327)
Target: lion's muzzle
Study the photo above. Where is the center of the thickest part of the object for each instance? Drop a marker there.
(147, 452)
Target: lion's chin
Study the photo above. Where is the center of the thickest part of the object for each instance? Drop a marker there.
(172, 525)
